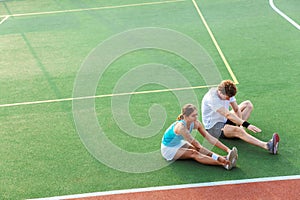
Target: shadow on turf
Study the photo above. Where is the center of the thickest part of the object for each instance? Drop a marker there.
(253, 162)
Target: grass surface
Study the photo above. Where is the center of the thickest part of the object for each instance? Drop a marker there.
(41, 152)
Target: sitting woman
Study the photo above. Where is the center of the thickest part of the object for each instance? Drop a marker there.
(178, 143)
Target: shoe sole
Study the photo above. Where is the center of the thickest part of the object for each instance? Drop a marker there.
(231, 156)
(235, 158)
(275, 143)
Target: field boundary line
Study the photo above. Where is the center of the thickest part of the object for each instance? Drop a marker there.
(174, 187)
(91, 9)
(215, 43)
(271, 2)
(103, 96)
(4, 19)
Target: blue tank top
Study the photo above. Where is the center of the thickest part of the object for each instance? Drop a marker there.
(170, 138)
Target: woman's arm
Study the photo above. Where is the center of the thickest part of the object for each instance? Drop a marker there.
(214, 141)
(180, 129)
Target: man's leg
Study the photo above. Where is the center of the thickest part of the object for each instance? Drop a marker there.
(235, 131)
(246, 108)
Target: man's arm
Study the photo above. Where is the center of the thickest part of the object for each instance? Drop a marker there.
(229, 115)
(236, 109)
(239, 121)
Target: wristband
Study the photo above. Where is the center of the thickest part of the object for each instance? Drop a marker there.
(245, 124)
(215, 156)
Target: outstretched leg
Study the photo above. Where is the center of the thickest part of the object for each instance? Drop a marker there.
(186, 153)
(235, 131)
(201, 150)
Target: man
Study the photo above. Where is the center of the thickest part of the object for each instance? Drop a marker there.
(220, 122)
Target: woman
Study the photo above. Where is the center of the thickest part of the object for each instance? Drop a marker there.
(178, 143)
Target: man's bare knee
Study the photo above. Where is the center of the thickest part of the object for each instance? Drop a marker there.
(239, 133)
(234, 131)
(249, 104)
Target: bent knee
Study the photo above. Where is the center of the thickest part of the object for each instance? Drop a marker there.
(248, 104)
(194, 153)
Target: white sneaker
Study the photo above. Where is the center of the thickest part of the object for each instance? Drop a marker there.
(235, 158)
(273, 144)
(232, 157)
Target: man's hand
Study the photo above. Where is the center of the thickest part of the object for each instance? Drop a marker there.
(254, 128)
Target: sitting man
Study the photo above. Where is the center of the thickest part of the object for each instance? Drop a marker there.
(220, 122)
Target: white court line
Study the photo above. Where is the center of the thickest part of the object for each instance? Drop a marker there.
(4, 19)
(283, 15)
(130, 93)
(104, 95)
(91, 9)
(173, 187)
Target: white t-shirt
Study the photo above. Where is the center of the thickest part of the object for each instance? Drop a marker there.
(211, 102)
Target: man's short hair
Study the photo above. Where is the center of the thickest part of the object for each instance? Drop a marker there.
(227, 87)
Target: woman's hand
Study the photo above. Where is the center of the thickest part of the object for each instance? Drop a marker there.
(223, 160)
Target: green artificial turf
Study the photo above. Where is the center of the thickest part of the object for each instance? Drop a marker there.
(41, 151)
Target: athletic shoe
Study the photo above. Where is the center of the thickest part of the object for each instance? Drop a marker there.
(236, 157)
(273, 144)
(232, 155)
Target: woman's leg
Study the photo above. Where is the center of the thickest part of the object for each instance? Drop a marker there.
(202, 150)
(189, 153)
